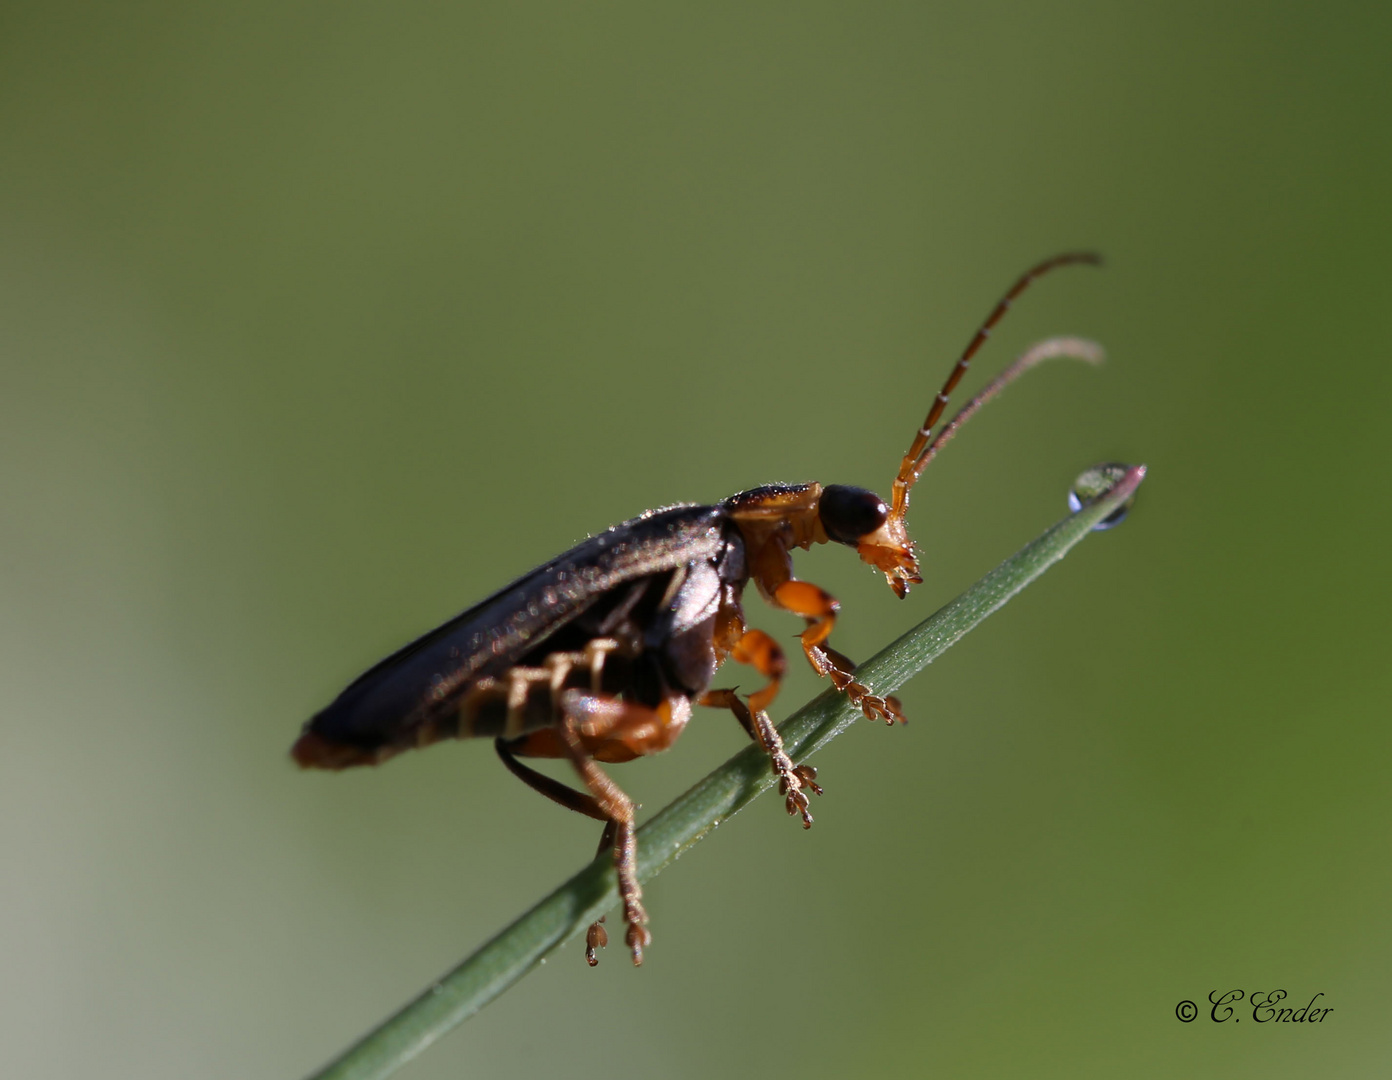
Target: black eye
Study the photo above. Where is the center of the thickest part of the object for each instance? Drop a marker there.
(850, 513)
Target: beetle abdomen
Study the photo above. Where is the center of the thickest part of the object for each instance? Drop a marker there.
(414, 696)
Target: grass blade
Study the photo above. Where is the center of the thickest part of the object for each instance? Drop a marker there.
(516, 950)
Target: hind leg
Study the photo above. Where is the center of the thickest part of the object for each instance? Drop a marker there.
(596, 937)
(598, 726)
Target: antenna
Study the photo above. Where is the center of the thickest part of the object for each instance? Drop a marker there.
(920, 451)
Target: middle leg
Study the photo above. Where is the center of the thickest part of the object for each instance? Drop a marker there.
(772, 568)
(791, 778)
(763, 654)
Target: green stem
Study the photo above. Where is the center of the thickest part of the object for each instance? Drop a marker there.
(516, 950)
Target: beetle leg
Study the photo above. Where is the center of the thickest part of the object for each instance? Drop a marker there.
(596, 937)
(516, 684)
(619, 809)
(614, 731)
(553, 789)
(560, 665)
(764, 655)
(520, 682)
(598, 726)
(596, 651)
(819, 608)
(607, 802)
(760, 651)
(773, 574)
(791, 778)
(845, 663)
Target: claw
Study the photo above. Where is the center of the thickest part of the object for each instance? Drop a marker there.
(797, 803)
(808, 775)
(875, 708)
(596, 937)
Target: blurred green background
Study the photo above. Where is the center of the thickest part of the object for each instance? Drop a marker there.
(319, 322)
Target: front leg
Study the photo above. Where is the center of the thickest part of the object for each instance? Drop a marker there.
(819, 608)
(772, 570)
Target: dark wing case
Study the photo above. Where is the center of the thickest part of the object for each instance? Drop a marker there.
(381, 711)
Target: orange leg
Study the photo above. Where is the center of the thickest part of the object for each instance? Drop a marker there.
(791, 778)
(773, 573)
(761, 652)
(764, 655)
(600, 726)
(819, 608)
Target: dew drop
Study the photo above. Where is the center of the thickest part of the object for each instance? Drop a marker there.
(1093, 484)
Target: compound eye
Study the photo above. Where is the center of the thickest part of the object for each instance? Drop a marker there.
(850, 513)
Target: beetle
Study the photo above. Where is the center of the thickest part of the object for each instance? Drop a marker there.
(600, 654)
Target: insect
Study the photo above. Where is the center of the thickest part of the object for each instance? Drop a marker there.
(599, 655)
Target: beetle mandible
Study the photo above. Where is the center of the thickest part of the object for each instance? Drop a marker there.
(599, 655)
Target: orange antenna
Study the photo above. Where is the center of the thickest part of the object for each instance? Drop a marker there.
(920, 452)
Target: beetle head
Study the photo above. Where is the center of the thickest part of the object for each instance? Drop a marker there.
(860, 519)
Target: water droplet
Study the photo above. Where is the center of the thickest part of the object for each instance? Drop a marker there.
(1093, 484)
